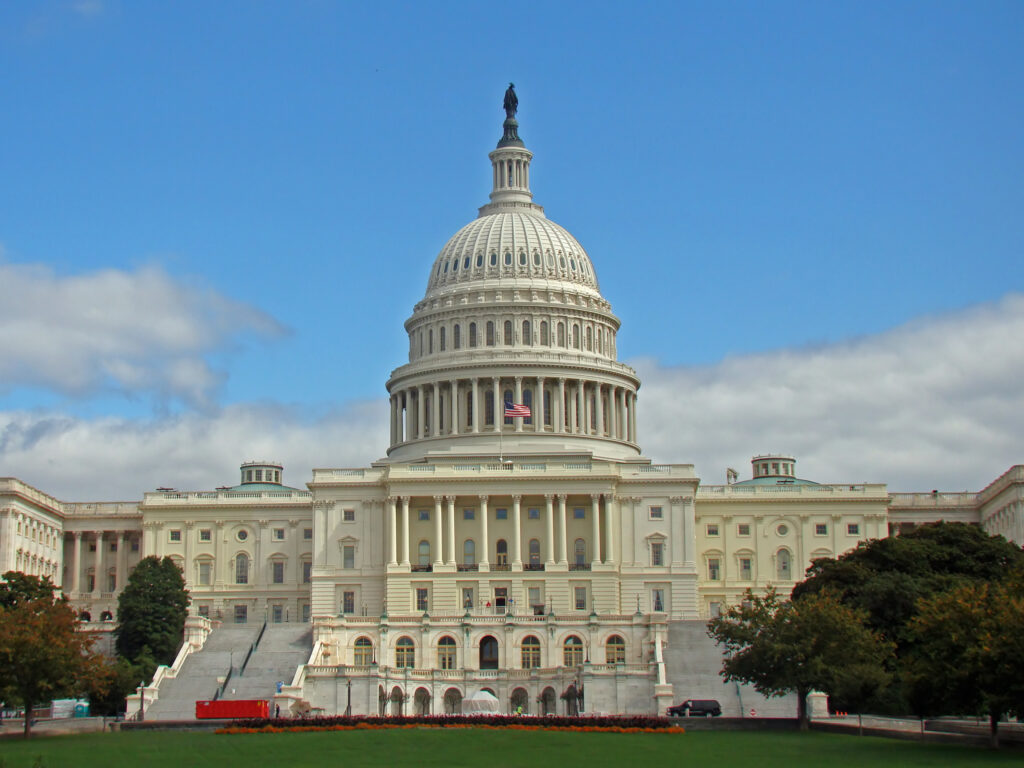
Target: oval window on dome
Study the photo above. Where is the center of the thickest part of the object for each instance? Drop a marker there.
(572, 264)
(561, 261)
(536, 258)
(455, 265)
(465, 263)
(508, 258)
(479, 259)
(522, 258)
(446, 266)
(549, 259)
(494, 258)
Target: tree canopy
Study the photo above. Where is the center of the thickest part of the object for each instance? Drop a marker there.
(151, 611)
(42, 655)
(814, 644)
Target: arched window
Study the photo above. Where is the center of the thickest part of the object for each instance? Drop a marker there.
(590, 339)
(536, 258)
(430, 341)
(547, 408)
(575, 336)
(508, 258)
(509, 340)
(469, 552)
(441, 341)
(531, 652)
(561, 334)
(242, 568)
(488, 407)
(528, 402)
(457, 336)
(784, 565)
(508, 399)
(446, 652)
(580, 551)
(472, 335)
(615, 650)
(479, 259)
(527, 333)
(490, 333)
(363, 653)
(522, 258)
(534, 552)
(572, 651)
(424, 552)
(469, 408)
(494, 258)
(544, 340)
(405, 653)
(502, 552)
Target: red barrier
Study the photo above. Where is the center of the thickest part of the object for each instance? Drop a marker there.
(232, 710)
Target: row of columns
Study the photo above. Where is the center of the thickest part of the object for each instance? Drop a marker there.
(511, 173)
(122, 538)
(578, 407)
(443, 549)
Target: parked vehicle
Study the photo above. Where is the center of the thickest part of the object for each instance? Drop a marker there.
(696, 708)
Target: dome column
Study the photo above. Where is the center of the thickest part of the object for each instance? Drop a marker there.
(549, 519)
(453, 408)
(405, 531)
(499, 418)
(420, 413)
(484, 536)
(451, 529)
(557, 416)
(435, 411)
(518, 399)
(438, 533)
(475, 384)
(581, 410)
(517, 523)
(599, 405)
(407, 397)
(595, 514)
(632, 417)
(622, 413)
(538, 400)
(392, 531)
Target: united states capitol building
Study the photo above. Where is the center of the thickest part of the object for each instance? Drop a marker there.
(540, 556)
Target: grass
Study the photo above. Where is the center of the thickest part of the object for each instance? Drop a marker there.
(472, 748)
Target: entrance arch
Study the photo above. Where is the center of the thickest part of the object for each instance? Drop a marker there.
(520, 698)
(421, 700)
(453, 701)
(488, 652)
(397, 702)
(548, 705)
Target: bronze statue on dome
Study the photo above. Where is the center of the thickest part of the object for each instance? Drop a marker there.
(511, 101)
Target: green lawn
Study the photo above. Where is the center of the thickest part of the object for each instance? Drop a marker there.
(423, 748)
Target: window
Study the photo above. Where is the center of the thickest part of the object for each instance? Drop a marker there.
(348, 556)
(579, 598)
(561, 334)
(469, 552)
(714, 569)
(279, 534)
(501, 550)
(457, 336)
(92, 546)
(422, 599)
(241, 614)
(743, 529)
(205, 568)
(655, 513)
(615, 650)
(204, 534)
(783, 565)
(307, 534)
(113, 544)
(176, 535)
(424, 552)
(348, 515)
(472, 334)
(580, 551)
(468, 514)
(782, 530)
(490, 333)
(277, 613)
(746, 568)
(820, 529)
(509, 340)
(657, 553)
(305, 612)
(424, 515)
(534, 552)
(204, 611)
(534, 600)
(242, 569)
(443, 339)
(112, 582)
(277, 572)
(531, 652)
(544, 336)
(405, 653)
(853, 529)
(579, 513)
(533, 513)
(307, 571)
(715, 609)
(712, 529)
(348, 602)
(446, 652)
(363, 652)
(527, 334)
(658, 599)
(501, 514)
(242, 535)
(572, 651)
(135, 545)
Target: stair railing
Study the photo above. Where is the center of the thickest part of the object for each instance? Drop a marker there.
(224, 685)
(252, 647)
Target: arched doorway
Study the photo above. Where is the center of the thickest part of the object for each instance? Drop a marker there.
(520, 699)
(547, 702)
(421, 701)
(572, 703)
(382, 701)
(397, 702)
(488, 652)
(453, 701)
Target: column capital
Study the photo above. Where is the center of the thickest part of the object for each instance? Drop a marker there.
(549, 496)
(517, 497)
(483, 498)
(562, 496)
(595, 497)
(608, 496)
(450, 499)
(438, 498)
(405, 499)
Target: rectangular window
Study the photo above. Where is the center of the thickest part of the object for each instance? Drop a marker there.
(113, 546)
(91, 583)
(469, 514)
(533, 513)
(657, 553)
(658, 599)
(279, 534)
(655, 513)
(422, 599)
(204, 611)
(349, 553)
(205, 567)
(714, 569)
(259, 475)
(712, 529)
(853, 529)
(580, 598)
(746, 571)
(424, 514)
(743, 529)
(277, 572)
(501, 514)
(579, 513)
(307, 571)
(349, 515)
(533, 596)
(820, 529)
(92, 546)
(307, 534)
(715, 609)
(277, 613)
(241, 614)
(204, 534)
(305, 613)
(176, 535)
(135, 545)
(111, 582)
(348, 602)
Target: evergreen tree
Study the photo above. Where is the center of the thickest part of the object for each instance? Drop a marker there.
(151, 612)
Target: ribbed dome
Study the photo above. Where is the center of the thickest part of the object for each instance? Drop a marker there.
(511, 245)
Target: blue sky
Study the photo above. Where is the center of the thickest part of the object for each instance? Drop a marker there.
(219, 214)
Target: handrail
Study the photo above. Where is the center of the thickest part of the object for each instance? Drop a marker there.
(252, 648)
(224, 685)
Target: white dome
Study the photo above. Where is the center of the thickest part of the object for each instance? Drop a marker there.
(511, 245)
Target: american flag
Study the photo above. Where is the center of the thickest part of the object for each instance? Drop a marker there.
(516, 409)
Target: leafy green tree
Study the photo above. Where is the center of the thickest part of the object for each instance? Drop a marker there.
(151, 612)
(814, 644)
(968, 655)
(42, 654)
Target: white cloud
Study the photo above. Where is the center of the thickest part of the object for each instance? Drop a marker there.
(135, 332)
(938, 403)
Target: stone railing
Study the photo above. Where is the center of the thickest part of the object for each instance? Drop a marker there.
(208, 498)
(13, 485)
(713, 492)
(933, 500)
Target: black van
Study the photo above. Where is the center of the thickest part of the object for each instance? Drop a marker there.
(696, 708)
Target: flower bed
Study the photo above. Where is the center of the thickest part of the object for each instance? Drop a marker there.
(622, 724)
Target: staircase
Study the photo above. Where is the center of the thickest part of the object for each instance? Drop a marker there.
(692, 664)
(281, 649)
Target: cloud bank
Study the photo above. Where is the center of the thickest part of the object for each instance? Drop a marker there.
(937, 403)
(139, 332)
